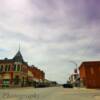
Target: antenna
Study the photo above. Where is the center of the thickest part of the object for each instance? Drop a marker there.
(19, 46)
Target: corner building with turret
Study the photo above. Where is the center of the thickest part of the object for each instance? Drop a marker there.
(16, 72)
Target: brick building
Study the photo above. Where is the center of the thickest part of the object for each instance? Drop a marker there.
(90, 74)
(16, 72)
(35, 74)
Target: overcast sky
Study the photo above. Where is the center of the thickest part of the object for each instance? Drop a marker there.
(51, 33)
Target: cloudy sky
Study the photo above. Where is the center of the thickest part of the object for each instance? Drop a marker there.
(52, 33)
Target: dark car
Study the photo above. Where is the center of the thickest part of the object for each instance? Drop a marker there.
(67, 85)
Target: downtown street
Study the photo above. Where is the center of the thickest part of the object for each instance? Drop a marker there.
(51, 93)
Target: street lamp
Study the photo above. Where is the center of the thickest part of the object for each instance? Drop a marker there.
(74, 64)
(75, 76)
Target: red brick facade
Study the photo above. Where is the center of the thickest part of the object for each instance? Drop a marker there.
(90, 74)
(16, 72)
(37, 73)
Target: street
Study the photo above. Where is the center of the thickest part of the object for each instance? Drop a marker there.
(51, 93)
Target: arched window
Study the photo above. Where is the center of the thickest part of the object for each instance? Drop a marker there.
(1, 68)
(14, 67)
(18, 67)
(6, 67)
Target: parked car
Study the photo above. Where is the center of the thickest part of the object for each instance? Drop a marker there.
(40, 85)
(67, 85)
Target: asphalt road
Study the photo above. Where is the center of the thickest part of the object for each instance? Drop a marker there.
(52, 93)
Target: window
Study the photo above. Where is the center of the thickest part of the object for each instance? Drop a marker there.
(92, 70)
(6, 68)
(1, 68)
(21, 67)
(18, 68)
(14, 67)
(75, 76)
(6, 81)
(16, 80)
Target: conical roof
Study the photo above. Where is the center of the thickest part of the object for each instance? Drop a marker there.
(18, 57)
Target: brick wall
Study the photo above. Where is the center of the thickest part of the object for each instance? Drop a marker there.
(90, 74)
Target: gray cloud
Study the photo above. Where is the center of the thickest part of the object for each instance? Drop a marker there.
(51, 32)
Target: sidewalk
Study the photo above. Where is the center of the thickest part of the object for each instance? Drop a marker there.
(97, 97)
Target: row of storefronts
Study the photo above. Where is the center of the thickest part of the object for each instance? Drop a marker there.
(16, 72)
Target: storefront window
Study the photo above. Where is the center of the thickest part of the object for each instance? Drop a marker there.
(6, 81)
(16, 80)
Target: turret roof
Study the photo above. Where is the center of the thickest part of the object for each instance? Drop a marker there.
(18, 57)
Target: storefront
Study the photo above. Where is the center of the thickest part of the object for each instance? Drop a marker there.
(30, 78)
(6, 80)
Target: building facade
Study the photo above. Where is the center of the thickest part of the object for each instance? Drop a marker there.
(16, 72)
(74, 79)
(35, 75)
(90, 74)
